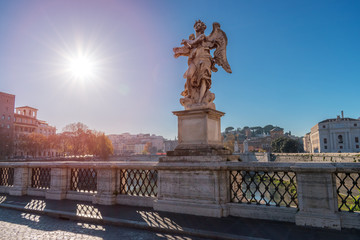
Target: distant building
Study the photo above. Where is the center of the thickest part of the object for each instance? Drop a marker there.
(26, 122)
(276, 132)
(7, 104)
(334, 135)
(127, 144)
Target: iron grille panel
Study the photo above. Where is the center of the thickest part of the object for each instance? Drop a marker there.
(83, 180)
(348, 191)
(6, 177)
(138, 182)
(264, 188)
(41, 178)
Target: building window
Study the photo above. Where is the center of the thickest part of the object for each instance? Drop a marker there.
(355, 124)
(9, 117)
(3, 117)
(325, 140)
(325, 147)
(340, 139)
(356, 139)
(324, 126)
(357, 146)
(341, 147)
(8, 126)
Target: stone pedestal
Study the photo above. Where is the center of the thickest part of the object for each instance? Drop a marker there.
(199, 133)
(317, 197)
(190, 178)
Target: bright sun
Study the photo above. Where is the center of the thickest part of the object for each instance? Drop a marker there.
(81, 67)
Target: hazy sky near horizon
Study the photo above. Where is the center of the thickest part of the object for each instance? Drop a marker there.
(294, 63)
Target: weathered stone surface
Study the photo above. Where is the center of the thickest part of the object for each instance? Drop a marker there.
(21, 177)
(106, 187)
(199, 133)
(59, 178)
(191, 191)
(317, 197)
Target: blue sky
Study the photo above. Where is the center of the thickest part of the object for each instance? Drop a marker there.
(294, 63)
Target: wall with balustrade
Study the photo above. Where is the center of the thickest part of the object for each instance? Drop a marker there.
(309, 194)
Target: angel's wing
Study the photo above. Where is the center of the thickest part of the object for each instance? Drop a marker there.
(218, 37)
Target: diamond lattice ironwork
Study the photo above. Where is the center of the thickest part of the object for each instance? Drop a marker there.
(83, 180)
(41, 178)
(266, 188)
(6, 177)
(138, 182)
(348, 191)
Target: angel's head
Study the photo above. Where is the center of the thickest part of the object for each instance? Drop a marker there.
(199, 26)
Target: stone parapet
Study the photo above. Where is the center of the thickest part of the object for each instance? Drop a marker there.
(201, 185)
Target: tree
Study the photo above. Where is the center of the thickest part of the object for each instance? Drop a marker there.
(228, 129)
(268, 128)
(285, 145)
(6, 144)
(229, 141)
(33, 143)
(104, 147)
(77, 135)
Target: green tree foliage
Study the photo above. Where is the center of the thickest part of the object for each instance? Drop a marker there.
(285, 145)
(228, 129)
(268, 128)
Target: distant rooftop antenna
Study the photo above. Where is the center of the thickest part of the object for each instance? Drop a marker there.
(342, 114)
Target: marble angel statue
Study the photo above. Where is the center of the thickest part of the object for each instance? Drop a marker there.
(201, 64)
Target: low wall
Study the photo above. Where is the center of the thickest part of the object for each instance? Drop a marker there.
(308, 194)
(254, 157)
(316, 157)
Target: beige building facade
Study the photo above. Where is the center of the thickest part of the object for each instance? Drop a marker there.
(334, 135)
(26, 122)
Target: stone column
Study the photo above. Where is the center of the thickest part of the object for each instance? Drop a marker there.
(106, 187)
(58, 184)
(21, 178)
(317, 196)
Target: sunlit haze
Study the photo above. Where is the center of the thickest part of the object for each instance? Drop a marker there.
(109, 64)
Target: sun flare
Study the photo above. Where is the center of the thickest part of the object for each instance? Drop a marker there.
(82, 67)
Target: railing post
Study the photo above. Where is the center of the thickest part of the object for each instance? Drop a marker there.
(58, 183)
(317, 196)
(106, 187)
(21, 177)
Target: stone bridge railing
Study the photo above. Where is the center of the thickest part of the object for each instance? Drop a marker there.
(311, 194)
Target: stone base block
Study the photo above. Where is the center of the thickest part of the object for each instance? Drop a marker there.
(104, 199)
(254, 211)
(139, 201)
(198, 208)
(322, 220)
(17, 191)
(80, 196)
(55, 195)
(199, 127)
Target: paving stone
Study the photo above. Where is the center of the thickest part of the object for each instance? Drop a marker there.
(19, 225)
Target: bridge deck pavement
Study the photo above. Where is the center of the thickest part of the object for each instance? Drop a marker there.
(195, 227)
